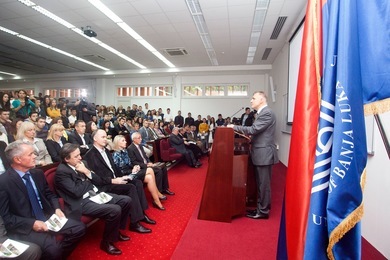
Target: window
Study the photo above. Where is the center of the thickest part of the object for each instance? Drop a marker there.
(191, 91)
(67, 93)
(145, 91)
(216, 90)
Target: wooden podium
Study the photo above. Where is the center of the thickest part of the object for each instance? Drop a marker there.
(224, 193)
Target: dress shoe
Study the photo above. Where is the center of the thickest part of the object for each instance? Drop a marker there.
(251, 211)
(148, 220)
(168, 192)
(123, 237)
(109, 248)
(258, 216)
(137, 227)
(157, 206)
(163, 197)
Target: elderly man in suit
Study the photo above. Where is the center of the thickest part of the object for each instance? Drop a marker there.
(138, 157)
(80, 137)
(101, 162)
(74, 184)
(26, 202)
(180, 145)
(263, 152)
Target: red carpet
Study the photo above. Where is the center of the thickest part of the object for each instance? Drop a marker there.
(244, 238)
(160, 244)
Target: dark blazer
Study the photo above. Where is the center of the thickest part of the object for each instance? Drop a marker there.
(54, 149)
(15, 205)
(263, 146)
(248, 120)
(178, 143)
(135, 156)
(97, 164)
(75, 138)
(71, 186)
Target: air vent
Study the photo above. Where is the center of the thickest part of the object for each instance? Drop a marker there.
(278, 27)
(176, 52)
(266, 53)
(94, 58)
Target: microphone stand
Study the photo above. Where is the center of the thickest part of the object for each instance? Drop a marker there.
(236, 112)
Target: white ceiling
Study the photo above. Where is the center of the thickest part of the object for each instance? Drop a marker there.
(163, 23)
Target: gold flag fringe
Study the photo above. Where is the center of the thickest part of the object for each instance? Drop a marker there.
(348, 223)
(377, 107)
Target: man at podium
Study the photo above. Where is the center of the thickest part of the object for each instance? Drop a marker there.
(263, 152)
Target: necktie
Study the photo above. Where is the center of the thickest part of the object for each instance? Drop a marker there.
(38, 212)
(142, 155)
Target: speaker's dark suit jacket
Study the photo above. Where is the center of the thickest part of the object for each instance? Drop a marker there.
(134, 189)
(136, 159)
(75, 138)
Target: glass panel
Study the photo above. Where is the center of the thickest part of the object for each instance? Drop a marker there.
(215, 91)
(163, 91)
(192, 91)
(237, 90)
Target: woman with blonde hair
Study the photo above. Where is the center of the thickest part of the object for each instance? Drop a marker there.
(123, 162)
(55, 140)
(26, 133)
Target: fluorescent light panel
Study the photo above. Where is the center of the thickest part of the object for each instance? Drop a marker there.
(78, 31)
(7, 73)
(200, 23)
(50, 47)
(110, 14)
(257, 27)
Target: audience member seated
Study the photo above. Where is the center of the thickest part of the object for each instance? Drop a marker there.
(90, 127)
(65, 119)
(80, 137)
(190, 145)
(148, 148)
(156, 128)
(178, 143)
(73, 181)
(5, 122)
(54, 142)
(41, 129)
(193, 137)
(138, 157)
(72, 118)
(4, 165)
(27, 202)
(26, 133)
(32, 117)
(120, 128)
(111, 180)
(33, 252)
(123, 162)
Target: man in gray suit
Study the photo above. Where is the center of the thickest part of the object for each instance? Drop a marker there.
(263, 152)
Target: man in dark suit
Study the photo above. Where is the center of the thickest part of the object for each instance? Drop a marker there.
(73, 182)
(80, 137)
(179, 119)
(178, 143)
(26, 202)
(247, 117)
(101, 162)
(138, 157)
(33, 252)
(263, 152)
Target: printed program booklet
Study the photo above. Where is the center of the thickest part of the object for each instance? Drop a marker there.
(11, 248)
(55, 223)
(101, 198)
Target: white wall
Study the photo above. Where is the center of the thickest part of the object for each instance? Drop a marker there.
(106, 94)
(375, 225)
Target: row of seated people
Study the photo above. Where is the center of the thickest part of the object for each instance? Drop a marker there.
(75, 181)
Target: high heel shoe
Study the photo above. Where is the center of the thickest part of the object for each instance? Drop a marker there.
(157, 206)
(163, 197)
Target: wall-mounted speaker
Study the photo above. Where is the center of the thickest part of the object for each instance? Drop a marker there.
(272, 88)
